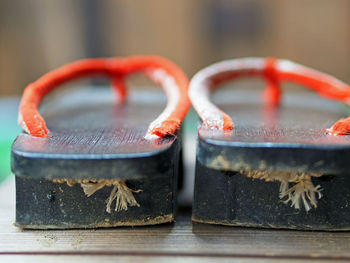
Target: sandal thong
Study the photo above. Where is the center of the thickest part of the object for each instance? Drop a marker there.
(96, 163)
(273, 167)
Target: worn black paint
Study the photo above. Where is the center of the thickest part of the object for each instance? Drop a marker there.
(230, 198)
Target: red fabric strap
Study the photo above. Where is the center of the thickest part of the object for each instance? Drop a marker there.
(274, 71)
(116, 68)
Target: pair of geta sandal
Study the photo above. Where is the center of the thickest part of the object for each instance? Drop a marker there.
(93, 162)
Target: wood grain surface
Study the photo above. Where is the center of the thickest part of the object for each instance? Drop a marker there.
(177, 242)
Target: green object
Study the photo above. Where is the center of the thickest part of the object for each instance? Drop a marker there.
(191, 123)
(9, 131)
(5, 148)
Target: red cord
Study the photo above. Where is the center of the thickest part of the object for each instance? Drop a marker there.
(272, 93)
(274, 72)
(117, 69)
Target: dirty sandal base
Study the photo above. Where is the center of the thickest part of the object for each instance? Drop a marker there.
(54, 175)
(237, 200)
(234, 176)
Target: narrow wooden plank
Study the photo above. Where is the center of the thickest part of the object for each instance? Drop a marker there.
(134, 259)
(182, 238)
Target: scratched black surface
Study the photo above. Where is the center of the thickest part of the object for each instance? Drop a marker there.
(302, 119)
(99, 126)
(291, 137)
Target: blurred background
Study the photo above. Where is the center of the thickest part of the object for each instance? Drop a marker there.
(39, 35)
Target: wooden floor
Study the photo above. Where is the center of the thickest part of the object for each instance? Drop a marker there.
(183, 241)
